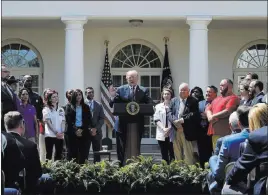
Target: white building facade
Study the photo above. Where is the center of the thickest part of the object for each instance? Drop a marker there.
(62, 43)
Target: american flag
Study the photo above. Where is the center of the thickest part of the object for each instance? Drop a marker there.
(106, 83)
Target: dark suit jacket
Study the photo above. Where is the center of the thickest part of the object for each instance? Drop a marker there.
(123, 96)
(98, 116)
(37, 101)
(70, 117)
(256, 152)
(191, 117)
(12, 161)
(32, 162)
(257, 99)
(8, 103)
(248, 103)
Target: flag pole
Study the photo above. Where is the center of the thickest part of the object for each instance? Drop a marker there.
(107, 141)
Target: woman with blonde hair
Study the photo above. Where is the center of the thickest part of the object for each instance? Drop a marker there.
(258, 116)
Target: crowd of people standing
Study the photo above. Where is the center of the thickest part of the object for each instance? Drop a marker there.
(190, 127)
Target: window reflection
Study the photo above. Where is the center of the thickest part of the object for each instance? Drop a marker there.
(18, 55)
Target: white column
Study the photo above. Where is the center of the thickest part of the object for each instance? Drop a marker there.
(74, 52)
(198, 67)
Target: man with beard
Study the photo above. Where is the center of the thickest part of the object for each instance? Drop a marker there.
(255, 91)
(219, 110)
(35, 98)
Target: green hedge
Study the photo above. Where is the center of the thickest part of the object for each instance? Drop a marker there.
(140, 175)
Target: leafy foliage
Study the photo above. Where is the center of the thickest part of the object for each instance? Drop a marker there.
(139, 175)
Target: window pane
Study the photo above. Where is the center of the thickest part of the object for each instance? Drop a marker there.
(117, 79)
(15, 47)
(156, 64)
(146, 133)
(5, 49)
(143, 61)
(152, 56)
(124, 80)
(120, 56)
(145, 82)
(155, 81)
(136, 49)
(116, 64)
(35, 80)
(155, 93)
(137, 59)
(127, 50)
(253, 51)
(146, 120)
(153, 131)
(265, 61)
(145, 50)
(127, 64)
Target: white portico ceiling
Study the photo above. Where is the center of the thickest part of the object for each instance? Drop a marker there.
(122, 23)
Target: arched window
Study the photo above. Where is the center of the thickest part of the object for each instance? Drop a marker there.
(252, 57)
(144, 57)
(19, 55)
(23, 58)
(136, 55)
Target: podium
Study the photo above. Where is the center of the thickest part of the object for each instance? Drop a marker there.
(132, 113)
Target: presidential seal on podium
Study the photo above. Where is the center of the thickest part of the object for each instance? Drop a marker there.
(133, 108)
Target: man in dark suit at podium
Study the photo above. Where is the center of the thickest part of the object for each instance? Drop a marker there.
(124, 94)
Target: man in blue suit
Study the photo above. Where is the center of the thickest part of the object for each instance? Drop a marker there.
(124, 94)
(229, 151)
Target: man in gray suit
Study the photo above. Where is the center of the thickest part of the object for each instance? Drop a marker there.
(97, 121)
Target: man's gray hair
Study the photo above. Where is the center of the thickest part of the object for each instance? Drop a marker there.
(233, 120)
(132, 71)
(184, 85)
(25, 77)
(12, 120)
